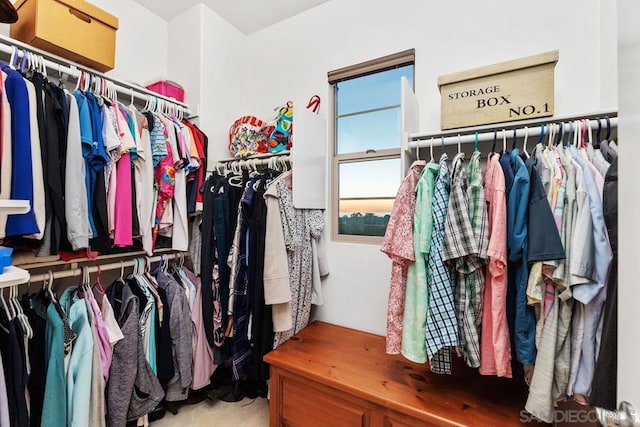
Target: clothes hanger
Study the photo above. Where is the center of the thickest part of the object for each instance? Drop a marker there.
(515, 139)
(581, 128)
(504, 141)
(524, 144)
(284, 161)
(475, 141)
(24, 320)
(13, 58)
(49, 285)
(495, 139)
(608, 136)
(165, 265)
(560, 135)
(569, 135)
(98, 283)
(543, 130)
(78, 81)
(12, 309)
(588, 131)
(552, 129)
(418, 151)
(459, 144)
(431, 150)
(121, 271)
(43, 66)
(4, 305)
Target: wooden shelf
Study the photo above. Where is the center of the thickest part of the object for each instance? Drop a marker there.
(13, 276)
(10, 207)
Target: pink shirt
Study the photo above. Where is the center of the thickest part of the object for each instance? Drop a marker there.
(203, 366)
(398, 245)
(123, 221)
(495, 351)
(102, 333)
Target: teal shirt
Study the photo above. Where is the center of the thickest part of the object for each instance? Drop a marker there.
(152, 340)
(78, 376)
(416, 304)
(54, 410)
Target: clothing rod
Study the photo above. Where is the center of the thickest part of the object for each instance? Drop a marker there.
(257, 156)
(76, 272)
(250, 163)
(424, 141)
(59, 65)
(515, 124)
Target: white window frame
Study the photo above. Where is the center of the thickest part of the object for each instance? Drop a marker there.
(396, 60)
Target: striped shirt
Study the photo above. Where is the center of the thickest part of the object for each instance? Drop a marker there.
(461, 249)
(442, 326)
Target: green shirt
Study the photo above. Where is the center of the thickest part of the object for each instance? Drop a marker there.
(416, 303)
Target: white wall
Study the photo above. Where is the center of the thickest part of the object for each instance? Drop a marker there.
(629, 192)
(206, 56)
(291, 59)
(185, 54)
(136, 60)
(225, 55)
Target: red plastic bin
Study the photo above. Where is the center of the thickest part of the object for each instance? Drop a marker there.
(168, 88)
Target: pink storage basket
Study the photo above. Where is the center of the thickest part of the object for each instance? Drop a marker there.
(168, 88)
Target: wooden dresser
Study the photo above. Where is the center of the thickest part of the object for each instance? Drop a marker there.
(328, 375)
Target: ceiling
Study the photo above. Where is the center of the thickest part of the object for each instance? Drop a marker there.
(248, 16)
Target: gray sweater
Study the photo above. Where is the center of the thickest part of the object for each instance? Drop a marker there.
(181, 330)
(132, 390)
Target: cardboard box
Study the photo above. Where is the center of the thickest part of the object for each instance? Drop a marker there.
(73, 29)
(514, 90)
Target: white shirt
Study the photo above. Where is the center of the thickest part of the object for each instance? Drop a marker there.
(76, 203)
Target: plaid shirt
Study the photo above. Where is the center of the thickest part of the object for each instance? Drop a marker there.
(442, 326)
(465, 237)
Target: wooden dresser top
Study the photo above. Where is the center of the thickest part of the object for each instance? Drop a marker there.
(355, 362)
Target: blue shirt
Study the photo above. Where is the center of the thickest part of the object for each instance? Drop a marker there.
(86, 136)
(603, 254)
(54, 409)
(524, 321)
(79, 370)
(505, 163)
(100, 156)
(21, 160)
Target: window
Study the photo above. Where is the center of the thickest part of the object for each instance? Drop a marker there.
(367, 139)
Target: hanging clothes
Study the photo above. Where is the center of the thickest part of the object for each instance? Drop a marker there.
(442, 327)
(414, 322)
(462, 250)
(495, 356)
(603, 393)
(21, 183)
(181, 337)
(132, 390)
(300, 227)
(15, 371)
(398, 245)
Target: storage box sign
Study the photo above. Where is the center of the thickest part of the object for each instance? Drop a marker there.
(514, 90)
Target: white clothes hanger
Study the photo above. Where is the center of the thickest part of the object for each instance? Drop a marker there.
(524, 144)
(4, 305)
(12, 60)
(459, 144)
(431, 150)
(504, 141)
(49, 285)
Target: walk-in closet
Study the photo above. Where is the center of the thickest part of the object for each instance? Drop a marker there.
(319, 213)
